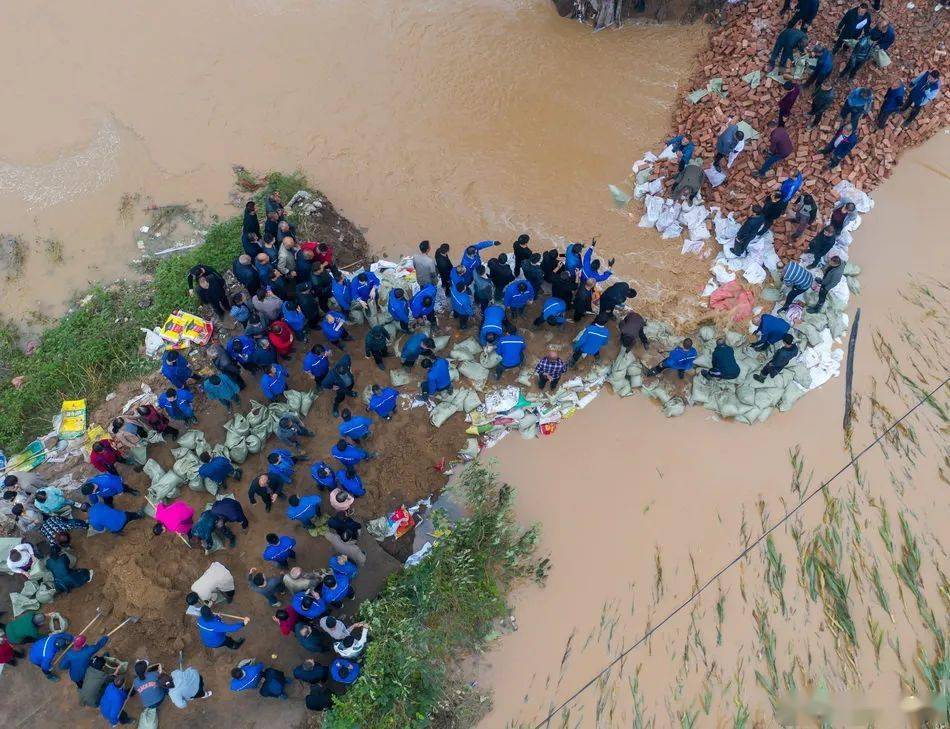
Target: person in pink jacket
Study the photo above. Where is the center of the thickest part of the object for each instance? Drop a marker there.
(176, 517)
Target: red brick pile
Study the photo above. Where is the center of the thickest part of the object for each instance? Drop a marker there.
(737, 48)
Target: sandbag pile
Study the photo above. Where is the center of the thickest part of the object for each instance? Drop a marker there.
(191, 444)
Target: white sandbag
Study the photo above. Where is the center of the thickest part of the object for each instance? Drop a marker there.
(474, 372)
(654, 206)
(442, 412)
(460, 355)
(489, 359)
(673, 230)
(399, 377)
(847, 191)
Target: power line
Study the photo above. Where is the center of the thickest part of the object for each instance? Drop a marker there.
(739, 557)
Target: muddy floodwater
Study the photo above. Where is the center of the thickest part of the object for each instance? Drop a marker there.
(419, 119)
(638, 509)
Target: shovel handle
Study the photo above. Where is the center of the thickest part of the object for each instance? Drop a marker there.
(235, 617)
(120, 625)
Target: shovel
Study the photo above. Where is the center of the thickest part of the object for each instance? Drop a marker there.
(233, 617)
(130, 619)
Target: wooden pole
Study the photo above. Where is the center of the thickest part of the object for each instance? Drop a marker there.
(849, 374)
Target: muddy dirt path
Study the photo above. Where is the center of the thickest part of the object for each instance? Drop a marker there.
(449, 123)
(637, 509)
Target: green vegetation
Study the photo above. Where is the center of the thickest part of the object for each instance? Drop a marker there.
(431, 615)
(96, 346)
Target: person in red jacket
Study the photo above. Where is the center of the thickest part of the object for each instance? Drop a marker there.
(104, 456)
(281, 337)
(157, 420)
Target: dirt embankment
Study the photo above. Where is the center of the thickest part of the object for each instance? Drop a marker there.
(602, 13)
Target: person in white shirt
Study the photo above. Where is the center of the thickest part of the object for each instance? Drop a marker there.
(215, 585)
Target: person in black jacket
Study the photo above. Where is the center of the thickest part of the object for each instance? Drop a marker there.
(563, 286)
(531, 268)
(583, 300)
(549, 262)
(443, 264)
(853, 24)
(251, 222)
(783, 355)
(773, 208)
(246, 274)
(822, 100)
(614, 296)
(751, 228)
(210, 288)
(377, 344)
(308, 304)
(522, 252)
(821, 244)
(223, 363)
(805, 13)
(266, 490)
(322, 280)
(724, 366)
(499, 272)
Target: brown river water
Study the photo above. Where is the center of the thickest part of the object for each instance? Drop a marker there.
(424, 119)
(419, 119)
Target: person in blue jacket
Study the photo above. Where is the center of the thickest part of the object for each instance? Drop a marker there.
(280, 466)
(355, 428)
(349, 455)
(824, 64)
(681, 359)
(438, 377)
(422, 305)
(218, 469)
(247, 676)
(472, 256)
(105, 487)
(349, 480)
(103, 518)
(344, 671)
(335, 589)
(279, 549)
(518, 294)
(239, 349)
(553, 312)
(383, 401)
(304, 509)
(463, 308)
(322, 475)
(290, 312)
(78, 657)
(398, 307)
(364, 285)
(418, 345)
(494, 323)
(340, 564)
(308, 605)
(112, 702)
(461, 275)
(891, 104)
(572, 257)
(770, 329)
(510, 348)
(790, 186)
(591, 269)
(316, 363)
(591, 340)
(923, 89)
(214, 632)
(684, 146)
(176, 369)
(177, 403)
(44, 651)
(342, 292)
(333, 327)
(274, 381)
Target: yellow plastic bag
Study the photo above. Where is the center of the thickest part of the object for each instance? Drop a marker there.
(73, 421)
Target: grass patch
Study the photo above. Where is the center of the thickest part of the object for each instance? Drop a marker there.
(96, 346)
(429, 616)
